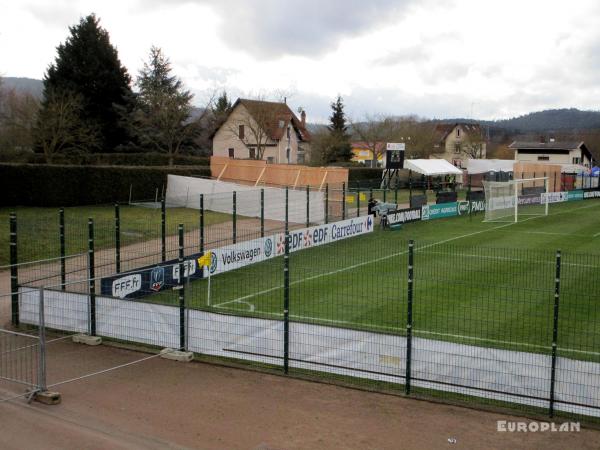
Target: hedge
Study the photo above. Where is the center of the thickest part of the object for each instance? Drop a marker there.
(104, 159)
(44, 185)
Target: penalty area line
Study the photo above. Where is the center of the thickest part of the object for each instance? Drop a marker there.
(393, 255)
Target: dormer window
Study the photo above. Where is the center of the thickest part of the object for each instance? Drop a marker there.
(241, 131)
(281, 124)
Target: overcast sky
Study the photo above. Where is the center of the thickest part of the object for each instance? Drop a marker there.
(486, 59)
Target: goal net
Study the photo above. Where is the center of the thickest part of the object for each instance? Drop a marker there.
(514, 200)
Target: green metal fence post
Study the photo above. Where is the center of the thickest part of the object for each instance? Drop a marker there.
(396, 194)
(181, 290)
(61, 238)
(14, 270)
(327, 203)
(286, 291)
(234, 231)
(262, 213)
(163, 229)
(469, 200)
(409, 188)
(409, 320)
(384, 194)
(555, 332)
(343, 201)
(307, 206)
(92, 277)
(201, 223)
(117, 238)
(358, 203)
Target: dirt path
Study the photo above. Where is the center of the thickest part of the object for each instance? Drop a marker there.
(165, 404)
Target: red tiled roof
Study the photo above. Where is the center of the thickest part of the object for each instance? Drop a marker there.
(276, 117)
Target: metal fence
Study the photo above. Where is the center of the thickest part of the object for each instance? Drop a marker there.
(502, 326)
(499, 326)
(23, 359)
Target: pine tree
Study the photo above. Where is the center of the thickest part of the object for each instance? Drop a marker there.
(340, 148)
(338, 117)
(87, 66)
(222, 106)
(162, 116)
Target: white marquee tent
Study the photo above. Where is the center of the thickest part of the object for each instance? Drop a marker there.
(475, 166)
(431, 167)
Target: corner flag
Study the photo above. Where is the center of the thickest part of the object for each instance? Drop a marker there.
(204, 260)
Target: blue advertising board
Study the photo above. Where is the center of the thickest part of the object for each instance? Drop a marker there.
(430, 212)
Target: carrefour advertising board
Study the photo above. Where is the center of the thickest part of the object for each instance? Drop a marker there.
(148, 280)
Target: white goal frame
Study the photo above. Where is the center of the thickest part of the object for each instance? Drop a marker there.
(504, 199)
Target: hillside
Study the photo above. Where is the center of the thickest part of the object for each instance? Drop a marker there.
(550, 120)
(30, 85)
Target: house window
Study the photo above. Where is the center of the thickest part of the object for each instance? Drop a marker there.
(252, 152)
(543, 158)
(457, 148)
(576, 160)
(232, 153)
(241, 131)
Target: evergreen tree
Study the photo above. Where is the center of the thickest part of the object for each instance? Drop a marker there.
(338, 117)
(222, 106)
(162, 116)
(339, 148)
(87, 67)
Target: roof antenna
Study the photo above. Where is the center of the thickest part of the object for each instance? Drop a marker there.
(285, 100)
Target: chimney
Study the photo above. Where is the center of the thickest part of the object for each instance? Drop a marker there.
(303, 118)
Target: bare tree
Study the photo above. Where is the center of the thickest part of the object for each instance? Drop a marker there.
(17, 118)
(252, 125)
(474, 147)
(60, 129)
(375, 131)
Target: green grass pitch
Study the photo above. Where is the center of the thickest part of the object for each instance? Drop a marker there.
(478, 283)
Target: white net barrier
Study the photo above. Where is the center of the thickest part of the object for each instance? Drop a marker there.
(184, 192)
(514, 200)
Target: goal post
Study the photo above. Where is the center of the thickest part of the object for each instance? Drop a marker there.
(514, 200)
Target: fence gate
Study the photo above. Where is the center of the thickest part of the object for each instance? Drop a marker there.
(23, 361)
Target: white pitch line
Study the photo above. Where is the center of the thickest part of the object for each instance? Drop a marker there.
(354, 266)
(505, 258)
(596, 235)
(383, 258)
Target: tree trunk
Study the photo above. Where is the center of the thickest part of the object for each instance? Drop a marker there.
(170, 159)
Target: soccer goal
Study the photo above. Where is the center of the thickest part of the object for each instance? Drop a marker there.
(514, 200)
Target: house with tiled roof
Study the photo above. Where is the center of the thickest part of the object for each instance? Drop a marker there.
(457, 142)
(257, 129)
(570, 154)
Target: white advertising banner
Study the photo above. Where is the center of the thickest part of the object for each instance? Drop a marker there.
(245, 253)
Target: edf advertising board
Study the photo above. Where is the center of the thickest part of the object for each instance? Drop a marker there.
(151, 279)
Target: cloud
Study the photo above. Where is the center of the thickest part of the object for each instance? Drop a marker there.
(268, 29)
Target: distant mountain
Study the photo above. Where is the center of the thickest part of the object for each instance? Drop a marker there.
(29, 85)
(550, 120)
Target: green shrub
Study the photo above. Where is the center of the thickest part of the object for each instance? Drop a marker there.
(53, 185)
(122, 159)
